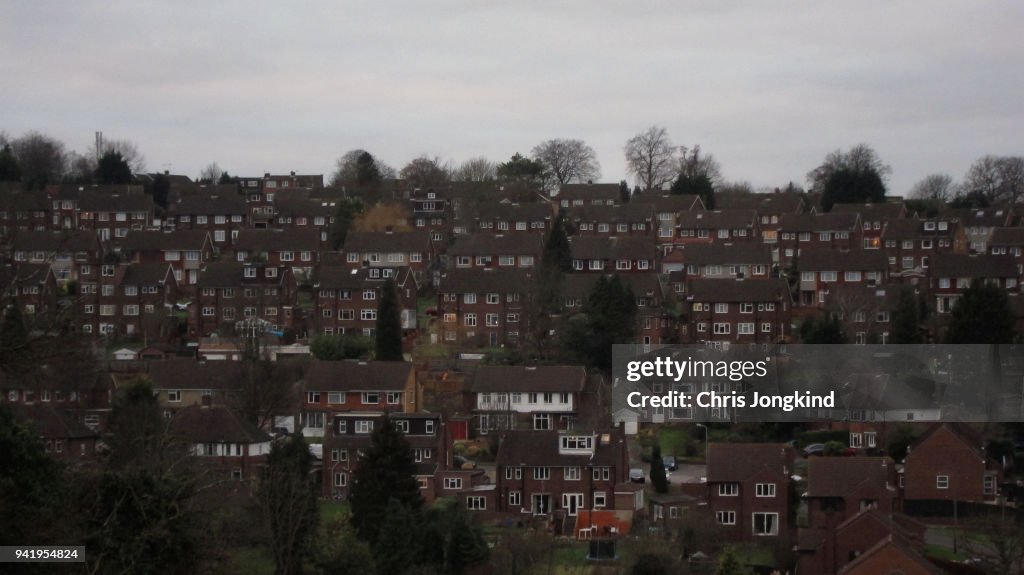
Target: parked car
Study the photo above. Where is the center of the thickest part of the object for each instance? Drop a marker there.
(636, 475)
(814, 449)
(463, 463)
(670, 462)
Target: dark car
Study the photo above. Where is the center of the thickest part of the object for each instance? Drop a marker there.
(463, 463)
(670, 462)
(636, 475)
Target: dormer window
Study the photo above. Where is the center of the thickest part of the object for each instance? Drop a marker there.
(577, 442)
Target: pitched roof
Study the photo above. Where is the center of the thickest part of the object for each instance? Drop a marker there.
(58, 241)
(491, 244)
(832, 221)
(51, 423)
(909, 229)
(335, 276)
(1007, 237)
(717, 219)
(984, 217)
(514, 212)
(642, 284)
(735, 462)
(612, 247)
(972, 266)
(838, 476)
(101, 201)
(232, 274)
(485, 281)
(732, 290)
(507, 378)
(540, 448)
(725, 254)
(663, 203)
(882, 211)
(589, 192)
(851, 297)
(147, 274)
(214, 424)
(210, 205)
(274, 240)
(177, 240)
(357, 375)
(874, 560)
(625, 213)
(387, 242)
(187, 373)
(302, 207)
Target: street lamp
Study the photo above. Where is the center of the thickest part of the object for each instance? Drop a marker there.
(707, 432)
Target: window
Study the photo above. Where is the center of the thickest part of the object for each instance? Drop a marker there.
(725, 517)
(470, 319)
(722, 328)
(941, 482)
(453, 483)
(364, 426)
(513, 473)
(476, 503)
(369, 294)
(368, 314)
(313, 397)
(340, 479)
(312, 419)
(745, 328)
(828, 276)
(721, 308)
(542, 473)
(394, 398)
(515, 498)
(572, 473)
(766, 524)
(371, 398)
(764, 490)
(989, 485)
(402, 425)
(746, 308)
(335, 398)
(542, 421)
(173, 395)
(728, 489)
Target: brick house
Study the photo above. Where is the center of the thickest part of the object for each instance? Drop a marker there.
(390, 249)
(722, 261)
(304, 214)
(829, 550)
(346, 299)
(232, 295)
(22, 211)
(540, 398)
(911, 244)
(333, 387)
(705, 227)
(572, 195)
(749, 490)
(979, 223)
(113, 213)
(616, 253)
(136, 301)
(186, 251)
(948, 462)
(560, 474)
(32, 287)
(295, 249)
(63, 436)
(667, 211)
(821, 271)
(512, 218)
(891, 555)
(873, 218)
(488, 307)
(654, 325)
(769, 207)
(74, 255)
(737, 311)
(840, 487)
(1008, 242)
(431, 212)
(623, 220)
(495, 251)
(185, 382)
(951, 274)
(865, 312)
(220, 440)
(222, 215)
(809, 231)
(348, 437)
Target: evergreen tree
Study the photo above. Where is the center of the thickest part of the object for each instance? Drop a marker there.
(160, 187)
(852, 186)
(385, 471)
(367, 171)
(10, 171)
(345, 213)
(137, 434)
(608, 317)
(113, 169)
(339, 347)
(982, 314)
(396, 546)
(465, 545)
(389, 324)
(557, 251)
(31, 486)
(824, 331)
(13, 341)
(697, 185)
(658, 478)
(289, 496)
(906, 319)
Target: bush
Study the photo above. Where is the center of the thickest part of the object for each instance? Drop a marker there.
(834, 448)
(824, 436)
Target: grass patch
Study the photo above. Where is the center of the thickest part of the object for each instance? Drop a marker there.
(332, 510)
(755, 555)
(250, 561)
(674, 441)
(943, 553)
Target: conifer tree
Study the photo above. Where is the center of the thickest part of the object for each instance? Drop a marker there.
(385, 471)
(389, 324)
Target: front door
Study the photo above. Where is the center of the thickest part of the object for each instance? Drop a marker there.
(541, 504)
(572, 502)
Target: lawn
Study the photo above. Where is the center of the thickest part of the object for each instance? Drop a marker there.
(332, 510)
(250, 561)
(944, 553)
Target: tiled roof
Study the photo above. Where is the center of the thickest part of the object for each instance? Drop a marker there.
(540, 448)
(735, 462)
(642, 284)
(51, 423)
(731, 290)
(485, 281)
(496, 245)
(148, 274)
(187, 373)
(972, 266)
(1007, 237)
(92, 201)
(882, 211)
(335, 276)
(179, 240)
(274, 240)
(626, 213)
(387, 242)
(725, 254)
(614, 247)
(832, 221)
(833, 260)
(838, 476)
(357, 375)
(588, 192)
(215, 424)
(506, 378)
(56, 242)
(210, 205)
(717, 219)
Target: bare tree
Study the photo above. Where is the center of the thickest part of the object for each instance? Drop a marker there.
(210, 174)
(693, 164)
(998, 178)
(934, 187)
(567, 161)
(1001, 550)
(424, 172)
(861, 158)
(129, 152)
(651, 158)
(41, 159)
(478, 169)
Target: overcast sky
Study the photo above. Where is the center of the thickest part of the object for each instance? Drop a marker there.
(768, 88)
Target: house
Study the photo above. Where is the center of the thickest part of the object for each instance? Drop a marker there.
(866, 312)
(525, 397)
(132, 300)
(222, 215)
(721, 261)
(978, 224)
(571, 195)
(654, 325)
(911, 244)
(704, 227)
(891, 555)
(748, 490)
(614, 253)
(349, 436)
(221, 440)
(840, 487)
(355, 386)
(431, 212)
(486, 307)
(604, 220)
(830, 550)
(948, 462)
(821, 271)
(32, 287)
(64, 437)
(667, 211)
(112, 213)
(1008, 241)
(724, 311)
(558, 474)
(186, 251)
(303, 214)
(186, 382)
(74, 255)
(346, 299)
(235, 296)
(294, 249)
(494, 251)
(837, 231)
(951, 274)
(22, 211)
(873, 218)
(389, 249)
(512, 218)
